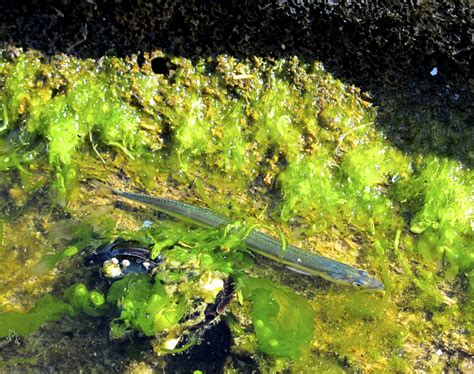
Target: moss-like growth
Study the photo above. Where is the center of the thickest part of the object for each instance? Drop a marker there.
(280, 135)
(167, 304)
(440, 195)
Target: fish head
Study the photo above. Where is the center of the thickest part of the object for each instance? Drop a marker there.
(349, 276)
(364, 281)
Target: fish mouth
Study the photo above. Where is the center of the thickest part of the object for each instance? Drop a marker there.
(367, 283)
(379, 286)
(374, 285)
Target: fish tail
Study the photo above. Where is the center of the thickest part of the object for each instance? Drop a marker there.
(102, 187)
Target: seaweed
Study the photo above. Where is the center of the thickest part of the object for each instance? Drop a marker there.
(282, 319)
(46, 309)
(277, 139)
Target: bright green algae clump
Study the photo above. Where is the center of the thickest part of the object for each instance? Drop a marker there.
(442, 197)
(67, 112)
(246, 128)
(282, 319)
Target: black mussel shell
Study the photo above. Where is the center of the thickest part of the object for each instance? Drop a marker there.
(209, 354)
(133, 257)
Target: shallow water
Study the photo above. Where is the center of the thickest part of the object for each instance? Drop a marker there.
(278, 143)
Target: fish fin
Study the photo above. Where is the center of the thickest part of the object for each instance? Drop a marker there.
(299, 271)
(99, 185)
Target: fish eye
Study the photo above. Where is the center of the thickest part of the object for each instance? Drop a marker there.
(357, 283)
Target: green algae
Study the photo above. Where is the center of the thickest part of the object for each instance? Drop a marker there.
(67, 120)
(282, 319)
(90, 302)
(77, 299)
(144, 306)
(250, 127)
(47, 309)
(205, 120)
(309, 185)
(48, 262)
(441, 197)
(155, 305)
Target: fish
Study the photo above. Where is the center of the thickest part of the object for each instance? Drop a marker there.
(294, 258)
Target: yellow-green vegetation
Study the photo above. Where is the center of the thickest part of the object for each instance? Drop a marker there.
(47, 309)
(170, 303)
(279, 141)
